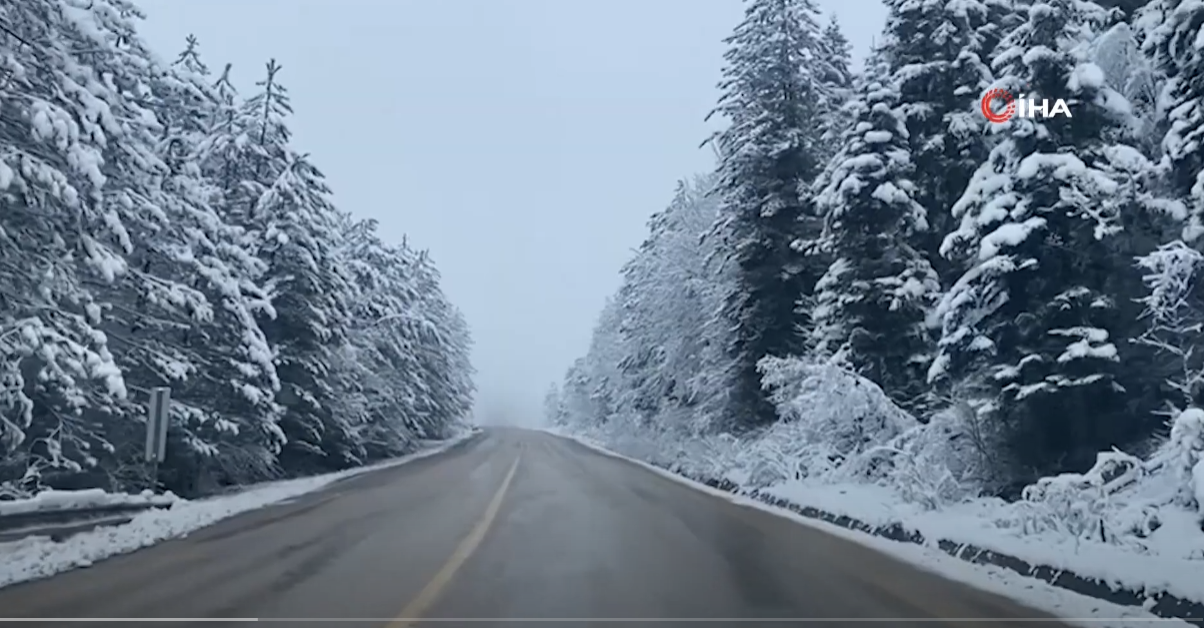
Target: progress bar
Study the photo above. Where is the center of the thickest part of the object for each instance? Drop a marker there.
(607, 620)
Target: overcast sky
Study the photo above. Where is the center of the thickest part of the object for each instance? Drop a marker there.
(524, 142)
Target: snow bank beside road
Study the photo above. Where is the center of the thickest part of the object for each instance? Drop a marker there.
(978, 523)
(39, 557)
(89, 498)
(1073, 608)
(1128, 523)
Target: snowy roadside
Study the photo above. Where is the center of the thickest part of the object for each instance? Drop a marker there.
(1072, 607)
(48, 501)
(1167, 569)
(38, 557)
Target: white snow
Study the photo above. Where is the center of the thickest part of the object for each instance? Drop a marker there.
(1008, 235)
(878, 137)
(983, 524)
(1092, 343)
(70, 500)
(1074, 608)
(39, 557)
(1087, 76)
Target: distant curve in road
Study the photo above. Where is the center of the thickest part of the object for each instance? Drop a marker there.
(516, 524)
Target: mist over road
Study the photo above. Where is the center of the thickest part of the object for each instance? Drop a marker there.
(514, 524)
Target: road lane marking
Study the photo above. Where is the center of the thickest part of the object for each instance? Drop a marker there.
(413, 611)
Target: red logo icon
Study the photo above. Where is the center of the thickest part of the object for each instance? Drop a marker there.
(1002, 114)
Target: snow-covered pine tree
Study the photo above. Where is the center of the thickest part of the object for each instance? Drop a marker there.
(593, 384)
(774, 96)
(441, 348)
(236, 438)
(839, 88)
(577, 402)
(404, 373)
(195, 110)
(243, 145)
(299, 236)
(873, 302)
(225, 156)
(375, 372)
(247, 146)
(282, 203)
(457, 346)
(185, 314)
(1041, 320)
(56, 236)
(1120, 53)
(602, 379)
(1176, 43)
(157, 310)
(937, 55)
(667, 296)
(135, 200)
(553, 406)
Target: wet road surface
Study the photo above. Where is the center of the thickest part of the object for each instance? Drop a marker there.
(512, 528)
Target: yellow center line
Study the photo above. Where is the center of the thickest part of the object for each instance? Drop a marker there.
(421, 602)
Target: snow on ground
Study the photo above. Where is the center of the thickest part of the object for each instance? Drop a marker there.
(71, 500)
(977, 522)
(39, 557)
(1074, 608)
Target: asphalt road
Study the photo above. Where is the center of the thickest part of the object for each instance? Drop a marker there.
(514, 525)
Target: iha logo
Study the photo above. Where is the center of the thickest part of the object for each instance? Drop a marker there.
(998, 106)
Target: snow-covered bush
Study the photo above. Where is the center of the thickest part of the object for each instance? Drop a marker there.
(840, 427)
(1181, 460)
(785, 451)
(828, 403)
(1122, 500)
(936, 463)
(1078, 504)
(831, 421)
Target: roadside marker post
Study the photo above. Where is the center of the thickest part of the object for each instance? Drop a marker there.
(156, 430)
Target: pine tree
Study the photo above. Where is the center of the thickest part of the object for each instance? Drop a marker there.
(281, 202)
(77, 177)
(374, 382)
(773, 94)
(298, 227)
(1181, 59)
(553, 406)
(195, 329)
(667, 297)
(936, 54)
(838, 84)
(440, 349)
(247, 147)
(146, 209)
(576, 398)
(383, 388)
(1042, 318)
(873, 301)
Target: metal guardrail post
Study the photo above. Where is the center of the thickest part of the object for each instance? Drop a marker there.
(158, 413)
